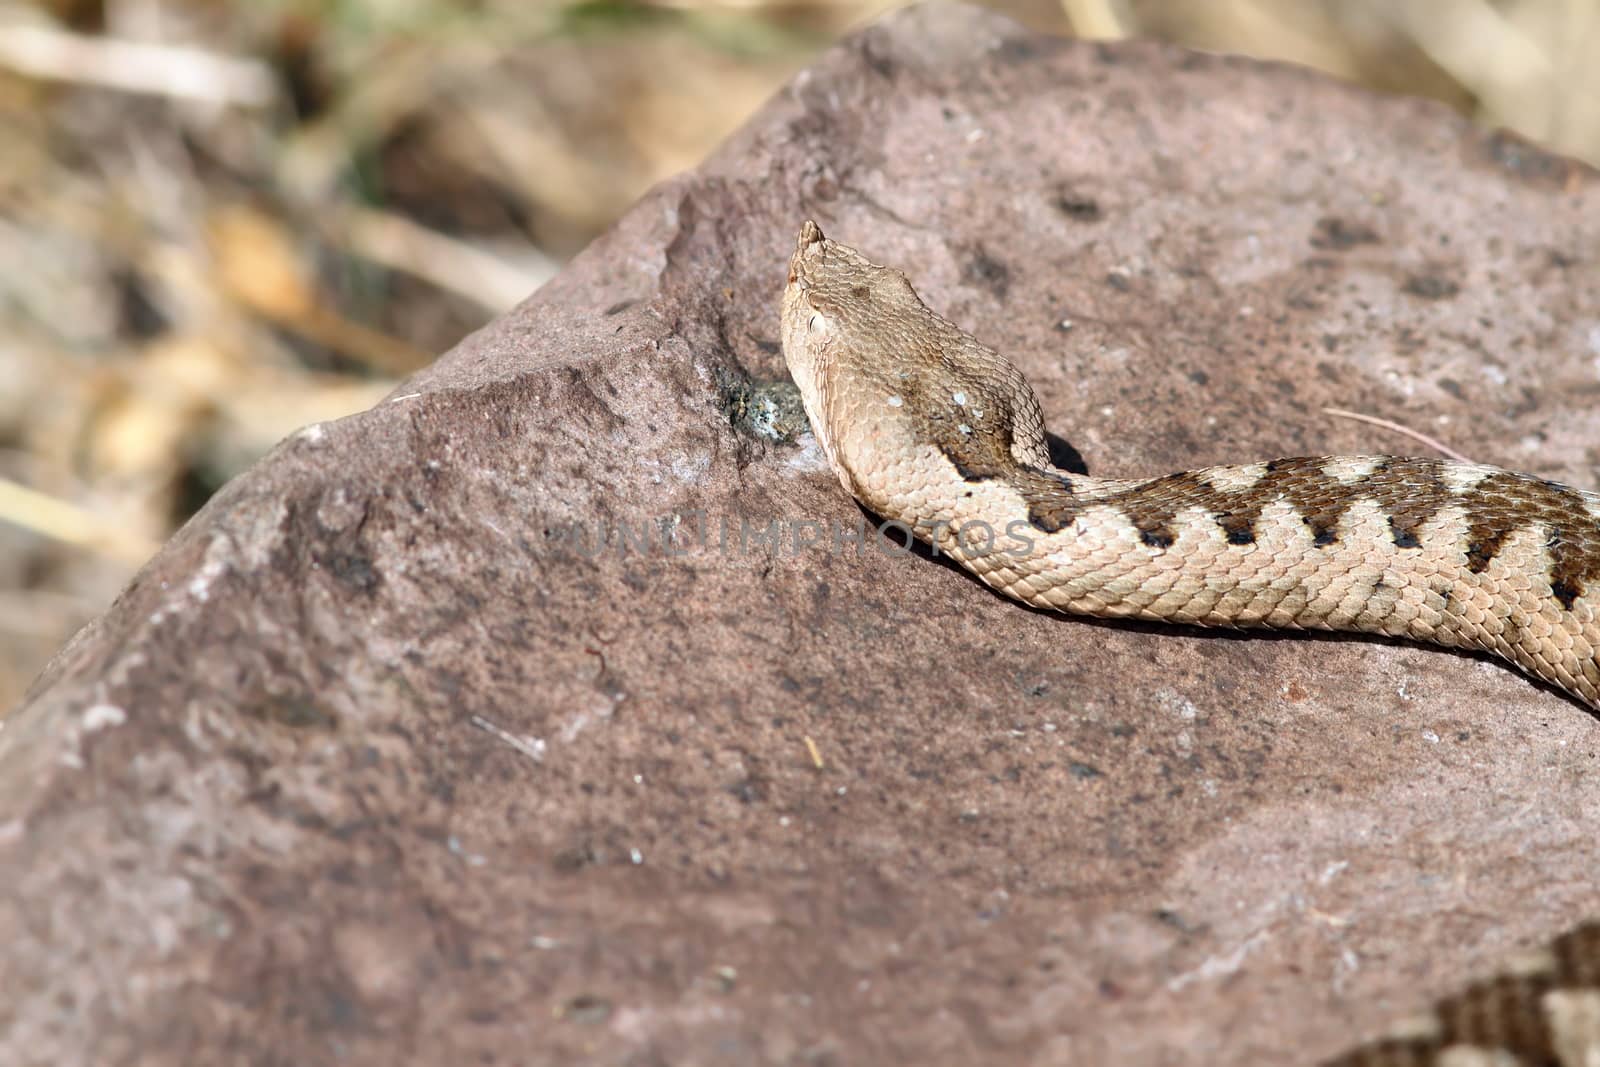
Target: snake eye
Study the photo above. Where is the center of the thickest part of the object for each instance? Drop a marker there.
(816, 322)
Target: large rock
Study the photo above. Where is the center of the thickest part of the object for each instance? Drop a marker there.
(384, 759)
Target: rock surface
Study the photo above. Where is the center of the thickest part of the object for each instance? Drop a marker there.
(388, 758)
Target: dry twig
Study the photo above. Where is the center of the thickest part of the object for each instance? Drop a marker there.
(1416, 435)
(135, 67)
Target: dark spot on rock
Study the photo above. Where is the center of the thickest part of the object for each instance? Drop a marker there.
(1020, 49)
(1083, 771)
(619, 307)
(587, 1009)
(1451, 386)
(297, 713)
(1118, 281)
(1078, 206)
(341, 1011)
(575, 858)
(983, 269)
(1339, 234)
(1036, 688)
(1526, 160)
(354, 569)
(1176, 920)
(770, 410)
(1431, 287)
(1199, 377)
(876, 60)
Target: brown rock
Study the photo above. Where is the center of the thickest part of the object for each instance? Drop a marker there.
(380, 762)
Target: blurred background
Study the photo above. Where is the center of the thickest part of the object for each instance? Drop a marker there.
(223, 219)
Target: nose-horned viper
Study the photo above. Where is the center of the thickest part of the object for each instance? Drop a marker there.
(929, 428)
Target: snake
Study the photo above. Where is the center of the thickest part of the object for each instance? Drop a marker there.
(928, 428)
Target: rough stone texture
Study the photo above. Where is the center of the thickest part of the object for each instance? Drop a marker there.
(252, 814)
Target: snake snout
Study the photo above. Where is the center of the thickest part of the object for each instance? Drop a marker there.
(810, 234)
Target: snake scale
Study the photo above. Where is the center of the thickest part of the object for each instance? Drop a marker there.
(927, 427)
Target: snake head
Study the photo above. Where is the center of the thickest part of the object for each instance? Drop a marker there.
(874, 366)
(885, 381)
(837, 281)
(839, 316)
(838, 307)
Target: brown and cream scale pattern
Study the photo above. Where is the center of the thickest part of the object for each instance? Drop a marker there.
(926, 426)
(1456, 555)
(1542, 1010)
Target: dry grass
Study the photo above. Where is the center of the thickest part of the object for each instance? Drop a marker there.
(221, 219)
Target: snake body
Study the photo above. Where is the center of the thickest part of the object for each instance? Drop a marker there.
(927, 427)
